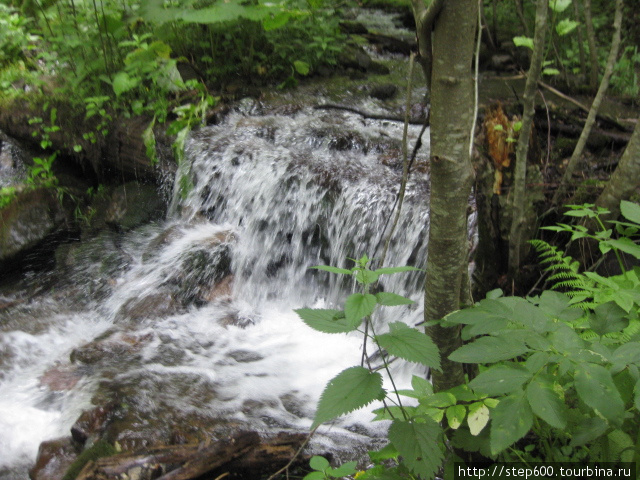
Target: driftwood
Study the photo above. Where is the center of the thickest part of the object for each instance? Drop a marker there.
(243, 454)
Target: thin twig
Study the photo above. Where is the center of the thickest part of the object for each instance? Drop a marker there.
(295, 455)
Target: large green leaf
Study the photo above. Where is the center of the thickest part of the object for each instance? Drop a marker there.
(358, 306)
(328, 268)
(418, 445)
(626, 245)
(510, 421)
(351, 389)
(587, 430)
(630, 211)
(122, 83)
(501, 379)
(546, 402)
(325, 320)
(595, 387)
(389, 270)
(389, 299)
(411, 344)
(489, 350)
(608, 318)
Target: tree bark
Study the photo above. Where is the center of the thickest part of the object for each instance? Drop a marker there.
(452, 114)
(520, 174)
(593, 112)
(625, 180)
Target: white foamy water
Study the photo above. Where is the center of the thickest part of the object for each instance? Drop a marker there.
(283, 194)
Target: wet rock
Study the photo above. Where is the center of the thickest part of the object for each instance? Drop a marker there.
(355, 58)
(201, 270)
(61, 377)
(127, 206)
(112, 348)
(221, 291)
(384, 91)
(92, 423)
(154, 305)
(245, 356)
(54, 458)
(161, 240)
(28, 221)
(353, 28)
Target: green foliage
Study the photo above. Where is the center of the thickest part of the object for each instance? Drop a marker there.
(324, 471)
(98, 450)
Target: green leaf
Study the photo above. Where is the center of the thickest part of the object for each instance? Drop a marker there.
(627, 354)
(276, 21)
(343, 470)
(366, 276)
(510, 421)
(550, 71)
(421, 386)
(501, 379)
(326, 321)
(389, 299)
(122, 83)
(625, 245)
(411, 344)
(566, 26)
(608, 318)
(358, 306)
(440, 400)
(455, 415)
(301, 67)
(478, 417)
(350, 390)
(559, 6)
(328, 268)
(630, 211)
(386, 453)
(489, 350)
(319, 463)
(595, 388)
(636, 391)
(588, 430)
(315, 475)
(523, 42)
(546, 403)
(390, 270)
(418, 445)
(149, 140)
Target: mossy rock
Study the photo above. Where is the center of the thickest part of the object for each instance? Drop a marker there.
(99, 449)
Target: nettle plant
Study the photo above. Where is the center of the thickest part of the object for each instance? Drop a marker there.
(558, 375)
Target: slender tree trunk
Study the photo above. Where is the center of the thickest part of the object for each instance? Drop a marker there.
(520, 174)
(581, 52)
(452, 115)
(593, 111)
(625, 180)
(591, 40)
(520, 13)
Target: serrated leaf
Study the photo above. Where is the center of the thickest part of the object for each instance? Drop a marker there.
(389, 299)
(477, 418)
(625, 245)
(325, 320)
(421, 386)
(608, 318)
(523, 42)
(630, 211)
(489, 350)
(595, 388)
(366, 277)
(350, 390)
(410, 344)
(455, 415)
(566, 26)
(390, 270)
(386, 453)
(501, 379)
(510, 421)
(546, 403)
(588, 430)
(328, 268)
(440, 400)
(358, 306)
(559, 6)
(418, 445)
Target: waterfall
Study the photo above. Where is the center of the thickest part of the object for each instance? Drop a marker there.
(264, 197)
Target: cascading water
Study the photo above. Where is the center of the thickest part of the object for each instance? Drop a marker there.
(264, 197)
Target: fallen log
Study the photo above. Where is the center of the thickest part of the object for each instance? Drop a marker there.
(244, 454)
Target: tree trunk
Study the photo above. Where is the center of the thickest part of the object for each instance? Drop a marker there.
(520, 175)
(593, 111)
(591, 40)
(452, 115)
(625, 180)
(581, 53)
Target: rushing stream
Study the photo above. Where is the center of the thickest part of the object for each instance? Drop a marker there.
(270, 195)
